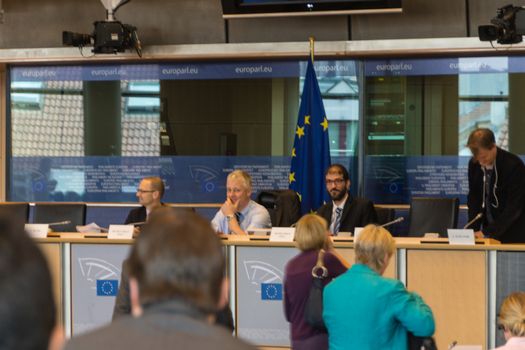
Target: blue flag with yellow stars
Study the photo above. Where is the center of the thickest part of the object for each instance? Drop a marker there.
(311, 150)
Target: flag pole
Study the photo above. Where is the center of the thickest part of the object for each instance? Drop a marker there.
(312, 41)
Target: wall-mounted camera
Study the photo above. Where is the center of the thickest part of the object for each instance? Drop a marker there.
(508, 27)
(109, 36)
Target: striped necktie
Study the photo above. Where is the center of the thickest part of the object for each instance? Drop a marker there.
(337, 221)
(238, 216)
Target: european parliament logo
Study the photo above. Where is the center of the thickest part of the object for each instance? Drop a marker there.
(107, 288)
(271, 291)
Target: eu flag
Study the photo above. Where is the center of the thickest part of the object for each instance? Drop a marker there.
(107, 288)
(311, 150)
(271, 291)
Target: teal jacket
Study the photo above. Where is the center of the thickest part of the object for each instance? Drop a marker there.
(365, 311)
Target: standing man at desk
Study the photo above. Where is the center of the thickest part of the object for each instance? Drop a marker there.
(149, 193)
(344, 212)
(239, 212)
(496, 190)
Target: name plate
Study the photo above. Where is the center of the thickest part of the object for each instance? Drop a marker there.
(120, 231)
(357, 232)
(282, 234)
(461, 236)
(37, 230)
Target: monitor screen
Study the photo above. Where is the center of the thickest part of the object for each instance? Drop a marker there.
(283, 8)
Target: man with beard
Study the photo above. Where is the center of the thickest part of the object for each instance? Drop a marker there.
(344, 212)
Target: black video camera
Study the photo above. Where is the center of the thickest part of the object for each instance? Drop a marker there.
(508, 27)
(108, 37)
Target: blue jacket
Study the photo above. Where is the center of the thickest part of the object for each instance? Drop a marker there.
(365, 311)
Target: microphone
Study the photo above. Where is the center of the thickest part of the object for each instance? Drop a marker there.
(59, 223)
(476, 218)
(393, 222)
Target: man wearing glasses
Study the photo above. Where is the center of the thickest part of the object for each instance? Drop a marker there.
(344, 212)
(149, 193)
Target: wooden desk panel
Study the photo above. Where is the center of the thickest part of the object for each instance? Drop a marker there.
(454, 284)
(53, 255)
(349, 255)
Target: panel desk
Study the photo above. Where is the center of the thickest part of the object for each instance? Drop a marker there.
(464, 285)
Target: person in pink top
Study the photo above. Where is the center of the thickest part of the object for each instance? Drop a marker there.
(511, 320)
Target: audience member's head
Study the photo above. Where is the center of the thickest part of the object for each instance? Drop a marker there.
(337, 182)
(27, 306)
(180, 257)
(150, 191)
(374, 247)
(482, 144)
(512, 315)
(311, 232)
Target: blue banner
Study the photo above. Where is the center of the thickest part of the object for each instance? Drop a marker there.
(396, 179)
(444, 66)
(182, 71)
(115, 179)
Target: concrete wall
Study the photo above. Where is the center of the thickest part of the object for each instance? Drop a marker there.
(39, 23)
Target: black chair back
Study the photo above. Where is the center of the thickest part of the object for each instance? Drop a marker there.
(434, 215)
(46, 213)
(16, 210)
(283, 205)
(384, 215)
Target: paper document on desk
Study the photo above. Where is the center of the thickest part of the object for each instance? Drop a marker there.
(92, 227)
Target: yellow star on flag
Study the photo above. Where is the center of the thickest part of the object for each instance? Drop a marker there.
(300, 131)
(291, 177)
(293, 153)
(325, 124)
(307, 119)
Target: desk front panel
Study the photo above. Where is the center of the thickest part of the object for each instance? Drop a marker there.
(454, 284)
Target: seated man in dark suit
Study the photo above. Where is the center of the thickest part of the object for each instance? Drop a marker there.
(177, 282)
(149, 193)
(344, 212)
(27, 306)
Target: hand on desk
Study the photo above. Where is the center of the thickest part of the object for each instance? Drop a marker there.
(479, 234)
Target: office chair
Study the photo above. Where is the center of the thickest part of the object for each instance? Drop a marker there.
(46, 213)
(384, 215)
(283, 205)
(432, 215)
(17, 210)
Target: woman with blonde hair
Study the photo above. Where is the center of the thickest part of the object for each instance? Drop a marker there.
(511, 320)
(311, 236)
(366, 311)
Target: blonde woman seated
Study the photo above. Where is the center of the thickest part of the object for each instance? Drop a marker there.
(365, 311)
(512, 320)
(311, 235)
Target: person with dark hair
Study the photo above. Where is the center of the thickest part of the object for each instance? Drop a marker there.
(496, 197)
(28, 318)
(177, 282)
(149, 194)
(344, 213)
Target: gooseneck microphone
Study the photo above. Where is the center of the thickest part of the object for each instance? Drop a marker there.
(476, 218)
(393, 222)
(59, 223)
